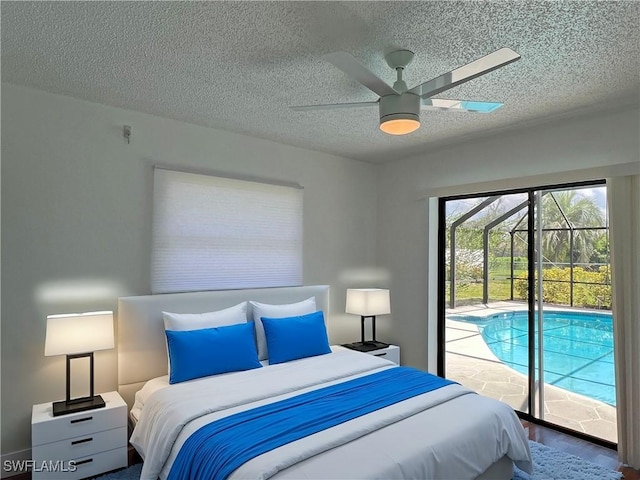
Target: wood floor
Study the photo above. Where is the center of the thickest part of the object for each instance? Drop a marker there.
(581, 448)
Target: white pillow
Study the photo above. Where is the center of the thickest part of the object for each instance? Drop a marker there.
(277, 311)
(196, 321)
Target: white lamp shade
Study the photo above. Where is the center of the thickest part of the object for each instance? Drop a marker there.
(73, 333)
(368, 302)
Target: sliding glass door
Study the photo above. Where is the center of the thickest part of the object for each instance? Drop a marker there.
(486, 349)
(525, 303)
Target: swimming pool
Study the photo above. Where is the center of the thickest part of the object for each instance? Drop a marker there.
(578, 348)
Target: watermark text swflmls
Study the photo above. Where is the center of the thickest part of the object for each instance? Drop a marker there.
(60, 466)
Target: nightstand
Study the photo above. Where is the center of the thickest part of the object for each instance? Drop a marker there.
(80, 444)
(391, 352)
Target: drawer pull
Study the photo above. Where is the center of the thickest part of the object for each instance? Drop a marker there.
(82, 462)
(78, 420)
(84, 440)
(379, 354)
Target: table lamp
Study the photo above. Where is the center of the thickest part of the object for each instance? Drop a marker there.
(368, 302)
(78, 335)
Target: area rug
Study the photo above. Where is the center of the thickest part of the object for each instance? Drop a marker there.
(552, 464)
(548, 464)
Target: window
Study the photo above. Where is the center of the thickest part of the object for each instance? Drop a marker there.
(214, 233)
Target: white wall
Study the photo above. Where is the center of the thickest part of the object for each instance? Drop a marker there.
(76, 212)
(589, 147)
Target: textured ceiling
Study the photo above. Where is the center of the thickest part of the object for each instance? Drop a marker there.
(237, 66)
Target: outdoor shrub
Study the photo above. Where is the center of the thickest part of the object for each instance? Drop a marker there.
(595, 294)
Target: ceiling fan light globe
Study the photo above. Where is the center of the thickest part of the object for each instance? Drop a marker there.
(400, 126)
(399, 114)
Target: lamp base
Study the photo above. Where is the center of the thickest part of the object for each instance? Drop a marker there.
(366, 346)
(79, 405)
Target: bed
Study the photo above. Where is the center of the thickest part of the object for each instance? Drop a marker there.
(447, 433)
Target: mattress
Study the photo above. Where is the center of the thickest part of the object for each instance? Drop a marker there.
(447, 433)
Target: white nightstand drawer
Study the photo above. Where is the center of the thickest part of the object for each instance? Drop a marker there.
(76, 447)
(391, 353)
(86, 466)
(45, 428)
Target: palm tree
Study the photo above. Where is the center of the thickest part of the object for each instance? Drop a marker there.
(579, 211)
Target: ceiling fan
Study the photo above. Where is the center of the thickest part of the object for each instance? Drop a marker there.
(400, 106)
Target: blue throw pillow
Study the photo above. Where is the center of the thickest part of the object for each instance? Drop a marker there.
(295, 337)
(209, 351)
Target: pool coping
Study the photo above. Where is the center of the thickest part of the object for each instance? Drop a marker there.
(470, 362)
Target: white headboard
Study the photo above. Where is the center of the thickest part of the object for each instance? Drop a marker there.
(142, 353)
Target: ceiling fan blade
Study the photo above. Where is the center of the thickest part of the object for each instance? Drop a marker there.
(483, 65)
(460, 105)
(359, 72)
(330, 106)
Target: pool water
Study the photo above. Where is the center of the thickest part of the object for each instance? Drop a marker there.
(578, 348)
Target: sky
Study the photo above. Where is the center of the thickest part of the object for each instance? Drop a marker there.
(456, 208)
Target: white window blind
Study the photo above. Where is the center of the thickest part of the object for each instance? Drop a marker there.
(214, 233)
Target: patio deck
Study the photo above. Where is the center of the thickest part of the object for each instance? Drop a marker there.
(470, 362)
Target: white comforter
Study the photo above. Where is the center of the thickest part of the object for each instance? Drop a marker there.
(445, 434)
